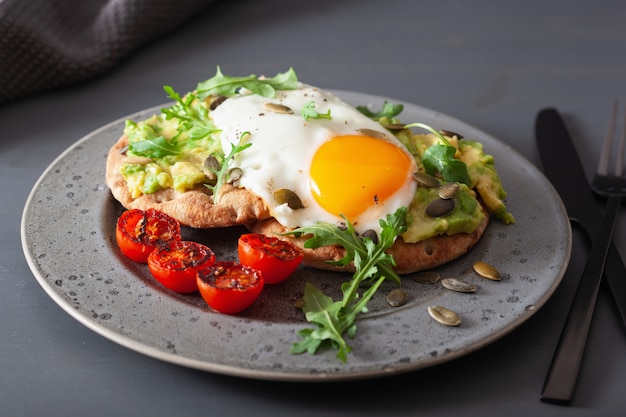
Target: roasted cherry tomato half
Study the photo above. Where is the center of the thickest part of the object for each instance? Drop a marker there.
(229, 287)
(176, 263)
(275, 258)
(139, 232)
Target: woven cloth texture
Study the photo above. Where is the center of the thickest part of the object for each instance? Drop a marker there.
(47, 44)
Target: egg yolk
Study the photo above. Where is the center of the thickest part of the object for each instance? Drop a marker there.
(351, 173)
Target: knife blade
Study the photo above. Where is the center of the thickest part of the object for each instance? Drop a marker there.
(561, 165)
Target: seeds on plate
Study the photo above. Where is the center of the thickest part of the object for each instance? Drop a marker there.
(458, 285)
(444, 316)
(397, 297)
(449, 190)
(286, 196)
(277, 108)
(372, 133)
(426, 180)
(487, 271)
(371, 233)
(216, 102)
(395, 126)
(234, 174)
(440, 207)
(450, 134)
(426, 277)
(210, 166)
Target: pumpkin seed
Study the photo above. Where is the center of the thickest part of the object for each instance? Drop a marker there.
(450, 134)
(216, 102)
(440, 207)
(487, 271)
(426, 180)
(277, 108)
(211, 165)
(286, 196)
(371, 233)
(449, 190)
(444, 315)
(458, 285)
(394, 126)
(397, 297)
(233, 175)
(373, 133)
(426, 277)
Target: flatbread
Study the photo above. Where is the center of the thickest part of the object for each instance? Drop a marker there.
(238, 206)
(409, 257)
(192, 208)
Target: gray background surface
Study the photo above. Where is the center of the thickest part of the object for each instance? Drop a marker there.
(491, 64)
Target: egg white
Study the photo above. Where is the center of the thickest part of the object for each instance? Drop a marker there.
(283, 146)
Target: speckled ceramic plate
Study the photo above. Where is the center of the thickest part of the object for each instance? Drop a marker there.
(68, 236)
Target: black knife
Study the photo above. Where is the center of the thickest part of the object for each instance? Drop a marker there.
(563, 168)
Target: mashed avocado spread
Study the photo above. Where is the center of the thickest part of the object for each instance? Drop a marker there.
(164, 154)
(467, 213)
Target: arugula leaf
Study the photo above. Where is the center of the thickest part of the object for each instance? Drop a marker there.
(308, 112)
(440, 158)
(388, 110)
(224, 162)
(371, 262)
(155, 148)
(225, 85)
(323, 311)
(193, 118)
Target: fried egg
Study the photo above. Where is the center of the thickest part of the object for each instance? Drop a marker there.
(345, 164)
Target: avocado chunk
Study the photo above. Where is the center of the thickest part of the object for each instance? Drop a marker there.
(485, 179)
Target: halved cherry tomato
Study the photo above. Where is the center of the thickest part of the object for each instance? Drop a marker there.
(176, 263)
(229, 287)
(139, 232)
(275, 258)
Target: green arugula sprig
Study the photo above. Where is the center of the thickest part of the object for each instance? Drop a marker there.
(308, 112)
(155, 148)
(371, 263)
(388, 111)
(440, 158)
(222, 170)
(192, 116)
(225, 85)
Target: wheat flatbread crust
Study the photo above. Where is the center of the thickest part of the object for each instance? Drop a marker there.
(237, 206)
(192, 208)
(409, 257)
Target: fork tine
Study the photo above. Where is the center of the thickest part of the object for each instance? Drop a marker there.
(619, 163)
(607, 146)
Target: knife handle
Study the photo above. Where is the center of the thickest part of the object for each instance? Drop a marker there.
(615, 274)
(563, 373)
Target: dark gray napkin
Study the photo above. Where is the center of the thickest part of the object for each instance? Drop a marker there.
(47, 44)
